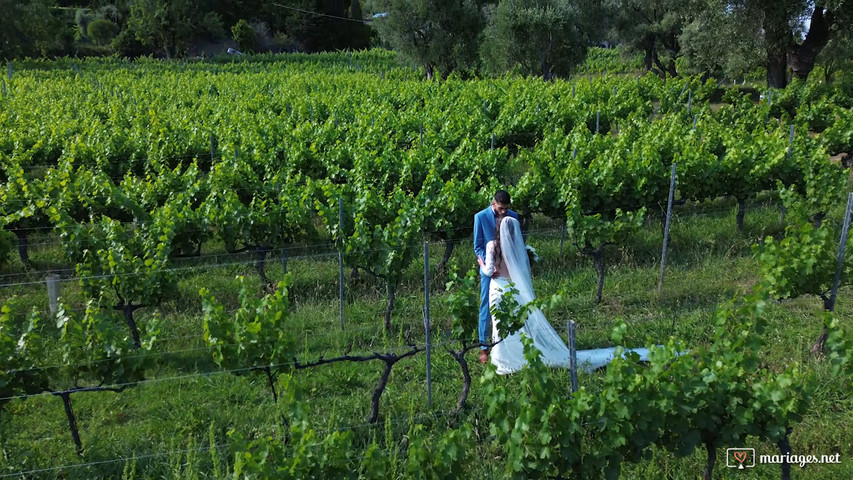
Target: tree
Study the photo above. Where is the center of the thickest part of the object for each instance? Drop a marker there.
(21, 349)
(380, 233)
(83, 17)
(805, 261)
(792, 32)
(172, 25)
(101, 31)
(98, 356)
(21, 201)
(654, 28)
(128, 266)
(717, 30)
(462, 303)
(244, 35)
(827, 20)
(255, 337)
(296, 22)
(437, 34)
(28, 28)
(837, 53)
(321, 25)
(150, 22)
(542, 37)
(775, 18)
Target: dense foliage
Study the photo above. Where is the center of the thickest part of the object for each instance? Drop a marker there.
(134, 166)
(544, 38)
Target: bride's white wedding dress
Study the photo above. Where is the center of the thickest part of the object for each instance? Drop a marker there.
(508, 355)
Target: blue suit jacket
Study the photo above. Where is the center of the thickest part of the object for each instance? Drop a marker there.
(484, 229)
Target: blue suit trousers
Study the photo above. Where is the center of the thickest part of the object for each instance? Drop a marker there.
(485, 314)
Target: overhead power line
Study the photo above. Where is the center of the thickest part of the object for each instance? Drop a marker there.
(317, 13)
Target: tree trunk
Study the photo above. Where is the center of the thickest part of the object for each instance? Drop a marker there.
(545, 65)
(819, 346)
(546, 70)
(785, 449)
(712, 458)
(741, 212)
(23, 247)
(598, 260)
(671, 69)
(268, 371)
(261, 263)
(448, 250)
(647, 59)
(377, 392)
(166, 49)
(801, 58)
(777, 70)
(429, 70)
(72, 421)
(665, 69)
(131, 323)
(777, 39)
(284, 421)
(466, 379)
(392, 294)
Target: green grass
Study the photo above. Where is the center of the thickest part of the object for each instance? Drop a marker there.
(169, 423)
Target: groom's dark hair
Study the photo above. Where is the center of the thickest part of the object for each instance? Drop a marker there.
(502, 197)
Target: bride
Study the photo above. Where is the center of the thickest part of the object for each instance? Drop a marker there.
(507, 261)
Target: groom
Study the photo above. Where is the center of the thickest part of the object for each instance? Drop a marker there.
(484, 232)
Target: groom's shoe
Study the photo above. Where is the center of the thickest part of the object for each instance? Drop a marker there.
(484, 356)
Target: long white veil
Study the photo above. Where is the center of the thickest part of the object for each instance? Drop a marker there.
(515, 258)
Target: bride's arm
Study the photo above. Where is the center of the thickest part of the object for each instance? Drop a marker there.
(489, 268)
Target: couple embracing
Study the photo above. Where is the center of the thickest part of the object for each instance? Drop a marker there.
(503, 259)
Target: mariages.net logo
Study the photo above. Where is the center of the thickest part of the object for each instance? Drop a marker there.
(742, 458)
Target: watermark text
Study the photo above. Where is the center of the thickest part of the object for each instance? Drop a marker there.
(741, 458)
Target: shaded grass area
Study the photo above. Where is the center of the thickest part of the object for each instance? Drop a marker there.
(170, 423)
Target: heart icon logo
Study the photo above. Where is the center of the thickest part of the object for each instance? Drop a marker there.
(740, 458)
